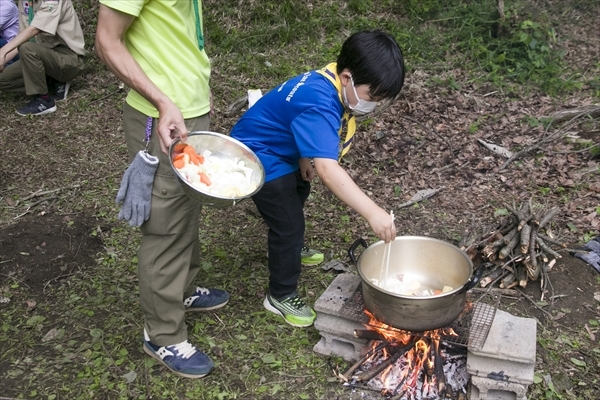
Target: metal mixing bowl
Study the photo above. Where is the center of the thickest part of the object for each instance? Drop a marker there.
(225, 147)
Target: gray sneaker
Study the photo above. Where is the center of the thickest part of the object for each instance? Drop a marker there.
(38, 106)
(293, 310)
(61, 90)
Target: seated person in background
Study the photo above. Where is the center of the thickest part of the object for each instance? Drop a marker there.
(56, 53)
(9, 24)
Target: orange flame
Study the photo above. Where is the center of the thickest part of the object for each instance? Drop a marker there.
(418, 358)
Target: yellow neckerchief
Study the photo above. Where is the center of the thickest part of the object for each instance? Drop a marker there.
(348, 120)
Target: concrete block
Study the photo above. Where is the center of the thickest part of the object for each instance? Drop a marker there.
(510, 338)
(333, 345)
(336, 325)
(490, 389)
(337, 294)
(508, 353)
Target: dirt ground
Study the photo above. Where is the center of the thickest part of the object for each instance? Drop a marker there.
(46, 250)
(429, 139)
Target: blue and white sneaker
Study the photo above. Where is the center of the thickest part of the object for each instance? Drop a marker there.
(183, 359)
(206, 299)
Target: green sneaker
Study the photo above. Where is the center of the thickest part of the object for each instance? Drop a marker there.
(311, 257)
(293, 310)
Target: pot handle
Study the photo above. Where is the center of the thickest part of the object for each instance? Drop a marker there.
(359, 242)
(474, 280)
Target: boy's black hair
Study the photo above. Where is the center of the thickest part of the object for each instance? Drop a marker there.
(374, 58)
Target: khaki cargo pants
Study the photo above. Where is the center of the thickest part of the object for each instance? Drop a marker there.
(28, 75)
(169, 255)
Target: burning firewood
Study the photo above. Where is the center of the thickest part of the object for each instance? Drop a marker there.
(368, 334)
(398, 351)
(348, 374)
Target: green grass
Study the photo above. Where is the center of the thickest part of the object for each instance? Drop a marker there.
(84, 340)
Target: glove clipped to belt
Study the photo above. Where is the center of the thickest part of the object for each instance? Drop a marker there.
(135, 193)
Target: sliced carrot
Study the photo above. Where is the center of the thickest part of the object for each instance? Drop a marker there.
(178, 156)
(189, 150)
(436, 292)
(178, 148)
(200, 159)
(204, 178)
(178, 163)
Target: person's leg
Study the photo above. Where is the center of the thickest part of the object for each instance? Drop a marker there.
(11, 79)
(168, 258)
(35, 60)
(38, 61)
(281, 203)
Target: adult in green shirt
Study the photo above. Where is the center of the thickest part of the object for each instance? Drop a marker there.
(156, 47)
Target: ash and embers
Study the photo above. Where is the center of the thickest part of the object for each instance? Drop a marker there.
(419, 369)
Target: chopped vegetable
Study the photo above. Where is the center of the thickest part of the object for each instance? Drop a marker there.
(213, 173)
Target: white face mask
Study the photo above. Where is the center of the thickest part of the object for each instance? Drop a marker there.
(363, 106)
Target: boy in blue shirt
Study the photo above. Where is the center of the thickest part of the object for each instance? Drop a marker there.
(300, 120)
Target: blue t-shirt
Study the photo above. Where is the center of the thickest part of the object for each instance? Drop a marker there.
(299, 118)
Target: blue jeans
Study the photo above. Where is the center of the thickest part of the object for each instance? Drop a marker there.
(2, 43)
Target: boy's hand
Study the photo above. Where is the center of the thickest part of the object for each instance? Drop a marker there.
(383, 225)
(306, 169)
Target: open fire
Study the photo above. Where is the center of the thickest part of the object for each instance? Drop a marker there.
(498, 349)
(405, 365)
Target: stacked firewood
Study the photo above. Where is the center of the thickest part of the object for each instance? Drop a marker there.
(521, 251)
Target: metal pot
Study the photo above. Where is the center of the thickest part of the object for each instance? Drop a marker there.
(431, 262)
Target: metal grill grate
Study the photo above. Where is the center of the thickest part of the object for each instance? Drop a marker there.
(470, 328)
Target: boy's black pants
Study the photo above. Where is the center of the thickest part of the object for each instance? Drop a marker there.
(281, 203)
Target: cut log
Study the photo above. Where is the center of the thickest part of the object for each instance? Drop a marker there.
(592, 110)
(348, 374)
(548, 239)
(544, 221)
(525, 236)
(373, 372)
(547, 248)
(506, 250)
(491, 277)
(521, 275)
(507, 281)
(510, 235)
(368, 334)
(532, 243)
(533, 272)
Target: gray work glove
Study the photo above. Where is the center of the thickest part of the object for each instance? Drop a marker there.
(135, 193)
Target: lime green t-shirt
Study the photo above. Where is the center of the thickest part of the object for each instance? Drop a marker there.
(163, 40)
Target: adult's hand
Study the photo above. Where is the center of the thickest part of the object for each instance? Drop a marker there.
(111, 49)
(170, 125)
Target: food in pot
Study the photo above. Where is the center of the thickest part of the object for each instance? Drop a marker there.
(409, 287)
(213, 173)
